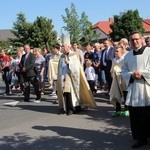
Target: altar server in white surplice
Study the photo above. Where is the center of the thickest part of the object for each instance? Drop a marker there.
(53, 67)
(136, 73)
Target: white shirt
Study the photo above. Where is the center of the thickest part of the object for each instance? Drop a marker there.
(90, 73)
(17, 61)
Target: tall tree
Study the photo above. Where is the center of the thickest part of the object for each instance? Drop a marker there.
(21, 29)
(125, 23)
(40, 33)
(43, 33)
(78, 27)
(7, 46)
(72, 23)
(86, 29)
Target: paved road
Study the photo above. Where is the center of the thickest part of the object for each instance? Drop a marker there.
(40, 126)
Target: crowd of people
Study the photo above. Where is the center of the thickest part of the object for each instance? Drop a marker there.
(75, 74)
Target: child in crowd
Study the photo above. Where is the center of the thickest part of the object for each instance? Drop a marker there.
(90, 75)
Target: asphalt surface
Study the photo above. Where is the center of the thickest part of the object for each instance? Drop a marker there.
(41, 126)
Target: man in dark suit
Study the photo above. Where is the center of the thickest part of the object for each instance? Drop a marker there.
(106, 61)
(29, 74)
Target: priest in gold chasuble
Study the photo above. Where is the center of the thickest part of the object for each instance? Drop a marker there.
(72, 86)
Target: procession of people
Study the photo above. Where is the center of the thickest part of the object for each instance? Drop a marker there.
(76, 72)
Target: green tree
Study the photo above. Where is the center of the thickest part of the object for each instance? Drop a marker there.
(78, 27)
(86, 29)
(43, 33)
(72, 23)
(21, 29)
(40, 33)
(125, 23)
(7, 46)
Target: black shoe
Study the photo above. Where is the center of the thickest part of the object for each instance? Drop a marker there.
(55, 102)
(138, 144)
(77, 109)
(26, 100)
(70, 112)
(38, 98)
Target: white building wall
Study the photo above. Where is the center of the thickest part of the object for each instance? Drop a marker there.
(101, 34)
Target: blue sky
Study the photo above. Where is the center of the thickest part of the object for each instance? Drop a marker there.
(96, 10)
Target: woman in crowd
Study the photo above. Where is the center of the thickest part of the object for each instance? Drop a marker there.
(47, 55)
(40, 67)
(17, 69)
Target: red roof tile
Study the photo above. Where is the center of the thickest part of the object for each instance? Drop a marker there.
(146, 25)
(147, 21)
(104, 26)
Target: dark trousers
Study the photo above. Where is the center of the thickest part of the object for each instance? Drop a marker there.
(118, 105)
(20, 80)
(35, 83)
(101, 77)
(68, 101)
(125, 96)
(92, 85)
(7, 81)
(140, 122)
(108, 77)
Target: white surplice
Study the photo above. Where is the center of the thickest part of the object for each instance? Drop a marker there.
(139, 90)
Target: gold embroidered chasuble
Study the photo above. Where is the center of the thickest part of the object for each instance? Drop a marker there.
(71, 78)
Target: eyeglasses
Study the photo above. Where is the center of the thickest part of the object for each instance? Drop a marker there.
(135, 39)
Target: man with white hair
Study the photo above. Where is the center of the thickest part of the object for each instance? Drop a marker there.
(27, 66)
(126, 43)
(72, 86)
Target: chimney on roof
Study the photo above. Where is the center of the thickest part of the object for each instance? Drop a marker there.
(111, 19)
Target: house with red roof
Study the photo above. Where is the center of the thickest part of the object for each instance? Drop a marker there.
(103, 29)
(146, 25)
